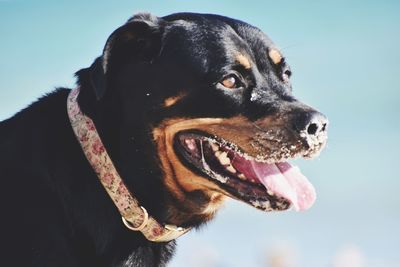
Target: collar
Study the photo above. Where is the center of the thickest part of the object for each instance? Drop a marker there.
(134, 216)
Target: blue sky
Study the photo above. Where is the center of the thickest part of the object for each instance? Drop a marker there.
(346, 62)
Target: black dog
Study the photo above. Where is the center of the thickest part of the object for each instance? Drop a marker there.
(191, 108)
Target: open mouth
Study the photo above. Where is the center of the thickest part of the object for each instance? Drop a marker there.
(266, 186)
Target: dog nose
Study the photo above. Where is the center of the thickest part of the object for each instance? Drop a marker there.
(311, 123)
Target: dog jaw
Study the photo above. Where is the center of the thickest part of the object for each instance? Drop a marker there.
(181, 182)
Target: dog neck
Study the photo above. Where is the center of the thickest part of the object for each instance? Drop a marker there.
(134, 216)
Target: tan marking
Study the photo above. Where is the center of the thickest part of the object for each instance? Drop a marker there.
(244, 61)
(215, 203)
(173, 99)
(275, 56)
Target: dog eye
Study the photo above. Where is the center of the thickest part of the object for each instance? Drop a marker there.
(231, 82)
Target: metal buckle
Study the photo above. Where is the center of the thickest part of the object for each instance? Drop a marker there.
(173, 228)
(141, 226)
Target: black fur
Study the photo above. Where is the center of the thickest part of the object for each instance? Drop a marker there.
(54, 210)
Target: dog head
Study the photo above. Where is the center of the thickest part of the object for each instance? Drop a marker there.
(194, 108)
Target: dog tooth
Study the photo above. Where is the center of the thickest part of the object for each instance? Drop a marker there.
(231, 169)
(191, 143)
(214, 146)
(223, 159)
(270, 193)
(241, 176)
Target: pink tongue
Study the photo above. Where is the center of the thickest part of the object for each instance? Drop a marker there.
(286, 181)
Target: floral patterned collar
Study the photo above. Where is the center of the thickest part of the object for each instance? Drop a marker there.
(134, 216)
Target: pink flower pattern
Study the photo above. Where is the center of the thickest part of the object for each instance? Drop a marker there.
(121, 204)
(90, 125)
(108, 179)
(97, 147)
(156, 231)
(122, 190)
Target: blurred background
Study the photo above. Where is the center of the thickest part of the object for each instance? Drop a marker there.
(346, 62)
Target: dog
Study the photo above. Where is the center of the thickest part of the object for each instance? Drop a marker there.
(177, 114)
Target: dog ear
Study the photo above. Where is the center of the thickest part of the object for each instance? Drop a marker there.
(139, 40)
(98, 78)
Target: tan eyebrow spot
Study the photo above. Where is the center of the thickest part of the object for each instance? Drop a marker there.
(173, 99)
(243, 60)
(275, 56)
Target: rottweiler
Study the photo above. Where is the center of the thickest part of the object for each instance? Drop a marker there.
(178, 113)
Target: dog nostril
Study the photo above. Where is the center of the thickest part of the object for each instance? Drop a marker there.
(323, 127)
(312, 129)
